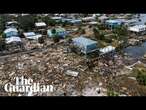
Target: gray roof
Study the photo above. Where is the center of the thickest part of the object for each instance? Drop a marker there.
(84, 41)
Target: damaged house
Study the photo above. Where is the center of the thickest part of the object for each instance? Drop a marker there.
(11, 35)
(86, 45)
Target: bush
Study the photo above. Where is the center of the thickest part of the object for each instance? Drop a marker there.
(53, 31)
(141, 77)
(27, 22)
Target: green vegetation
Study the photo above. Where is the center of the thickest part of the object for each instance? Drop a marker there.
(53, 31)
(68, 38)
(111, 92)
(101, 26)
(2, 44)
(3, 19)
(141, 77)
(121, 31)
(27, 22)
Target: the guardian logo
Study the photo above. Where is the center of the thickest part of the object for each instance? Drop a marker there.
(27, 85)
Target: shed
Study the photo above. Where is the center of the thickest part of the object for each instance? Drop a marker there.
(40, 24)
(107, 49)
(86, 45)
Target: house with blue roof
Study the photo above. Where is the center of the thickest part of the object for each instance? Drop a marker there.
(61, 32)
(114, 23)
(11, 32)
(86, 45)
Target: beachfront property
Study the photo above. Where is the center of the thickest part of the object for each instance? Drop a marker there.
(86, 45)
(138, 29)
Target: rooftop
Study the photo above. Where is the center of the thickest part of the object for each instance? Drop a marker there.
(115, 21)
(107, 49)
(29, 34)
(40, 24)
(84, 41)
(13, 39)
(10, 30)
(137, 28)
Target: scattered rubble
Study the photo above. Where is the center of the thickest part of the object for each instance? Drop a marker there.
(72, 73)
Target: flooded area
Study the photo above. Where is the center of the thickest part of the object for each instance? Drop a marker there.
(136, 51)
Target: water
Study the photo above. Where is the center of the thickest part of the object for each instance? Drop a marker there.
(136, 51)
(139, 50)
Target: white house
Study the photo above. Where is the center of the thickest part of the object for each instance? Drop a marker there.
(138, 29)
(40, 24)
(107, 49)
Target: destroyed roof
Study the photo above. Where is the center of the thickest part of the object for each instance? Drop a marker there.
(40, 24)
(13, 39)
(32, 35)
(107, 49)
(10, 30)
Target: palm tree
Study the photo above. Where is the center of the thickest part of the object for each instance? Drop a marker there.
(96, 33)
